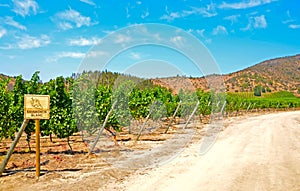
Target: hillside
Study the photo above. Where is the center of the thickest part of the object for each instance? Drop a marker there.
(280, 74)
(276, 75)
(11, 82)
(2, 76)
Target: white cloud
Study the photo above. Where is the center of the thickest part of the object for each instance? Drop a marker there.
(84, 41)
(244, 4)
(177, 40)
(260, 22)
(256, 22)
(122, 39)
(127, 12)
(201, 32)
(289, 18)
(208, 11)
(7, 47)
(208, 41)
(4, 5)
(11, 22)
(190, 31)
(2, 33)
(75, 55)
(61, 55)
(248, 27)
(93, 54)
(90, 2)
(219, 30)
(108, 31)
(293, 26)
(70, 18)
(25, 7)
(170, 17)
(232, 18)
(135, 56)
(145, 14)
(65, 25)
(29, 42)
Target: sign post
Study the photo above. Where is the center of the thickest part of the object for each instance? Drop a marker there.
(37, 148)
(37, 107)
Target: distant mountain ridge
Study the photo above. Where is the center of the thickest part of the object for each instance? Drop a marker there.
(279, 74)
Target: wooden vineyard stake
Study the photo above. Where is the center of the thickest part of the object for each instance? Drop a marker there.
(253, 107)
(248, 107)
(277, 106)
(244, 105)
(208, 104)
(178, 106)
(13, 145)
(218, 103)
(143, 126)
(102, 128)
(288, 107)
(238, 109)
(223, 108)
(195, 109)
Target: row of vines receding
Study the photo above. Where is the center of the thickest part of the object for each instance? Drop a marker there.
(77, 104)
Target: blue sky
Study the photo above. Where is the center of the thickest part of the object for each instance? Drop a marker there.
(55, 36)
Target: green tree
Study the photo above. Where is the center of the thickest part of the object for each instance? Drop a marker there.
(6, 119)
(257, 90)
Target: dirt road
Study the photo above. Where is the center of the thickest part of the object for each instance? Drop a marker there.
(253, 153)
(259, 152)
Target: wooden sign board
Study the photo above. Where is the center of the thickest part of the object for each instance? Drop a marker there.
(36, 106)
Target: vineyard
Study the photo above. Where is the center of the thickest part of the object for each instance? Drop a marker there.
(77, 104)
(118, 111)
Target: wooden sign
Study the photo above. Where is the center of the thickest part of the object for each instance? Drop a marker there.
(36, 106)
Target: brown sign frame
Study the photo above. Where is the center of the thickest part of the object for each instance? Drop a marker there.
(36, 106)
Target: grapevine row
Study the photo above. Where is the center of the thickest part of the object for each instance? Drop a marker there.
(78, 103)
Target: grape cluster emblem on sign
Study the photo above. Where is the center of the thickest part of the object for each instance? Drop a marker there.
(36, 106)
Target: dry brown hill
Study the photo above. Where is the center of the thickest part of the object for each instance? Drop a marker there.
(2, 76)
(11, 82)
(280, 74)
